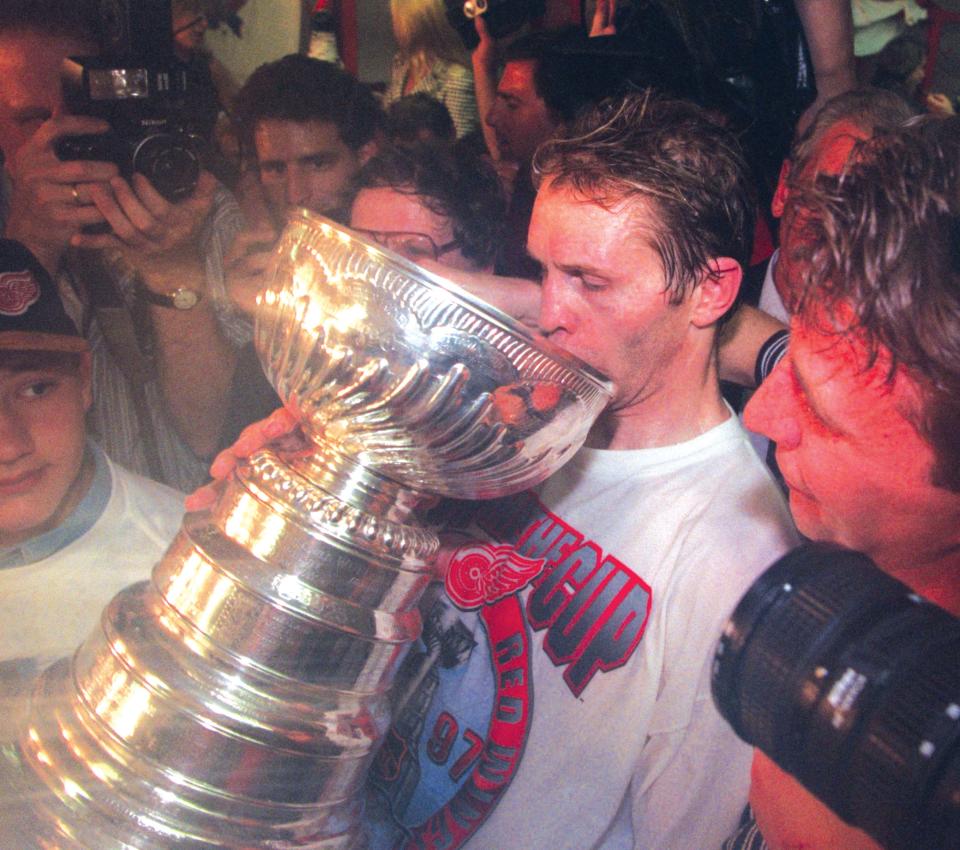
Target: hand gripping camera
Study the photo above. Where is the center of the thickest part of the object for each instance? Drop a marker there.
(137, 87)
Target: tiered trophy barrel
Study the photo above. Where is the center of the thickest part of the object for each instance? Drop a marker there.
(237, 698)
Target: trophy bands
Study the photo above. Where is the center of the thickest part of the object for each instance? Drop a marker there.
(237, 698)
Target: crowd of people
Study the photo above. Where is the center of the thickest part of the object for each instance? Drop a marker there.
(608, 201)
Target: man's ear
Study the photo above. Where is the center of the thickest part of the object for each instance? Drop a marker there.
(782, 192)
(716, 292)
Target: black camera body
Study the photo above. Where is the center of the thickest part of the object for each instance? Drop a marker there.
(138, 88)
(502, 17)
(850, 682)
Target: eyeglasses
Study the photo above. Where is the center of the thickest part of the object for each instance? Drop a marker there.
(414, 246)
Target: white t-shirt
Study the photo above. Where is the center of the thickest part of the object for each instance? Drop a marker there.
(576, 713)
(48, 607)
(877, 22)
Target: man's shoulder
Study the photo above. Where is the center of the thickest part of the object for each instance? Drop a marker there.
(155, 507)
(708, 457)
(711, 502)
(739, 504)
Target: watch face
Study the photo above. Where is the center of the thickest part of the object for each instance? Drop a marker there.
(184, 299)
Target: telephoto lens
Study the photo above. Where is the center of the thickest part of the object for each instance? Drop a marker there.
(850, 682)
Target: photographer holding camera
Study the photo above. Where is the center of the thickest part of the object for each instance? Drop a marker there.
(864, 407)
(138, 269)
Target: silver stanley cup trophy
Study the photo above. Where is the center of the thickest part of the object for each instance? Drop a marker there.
(237, 698)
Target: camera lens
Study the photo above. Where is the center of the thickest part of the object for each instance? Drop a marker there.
(170, 163)
(851, 683)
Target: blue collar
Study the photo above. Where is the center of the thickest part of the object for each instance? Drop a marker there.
(79, 522)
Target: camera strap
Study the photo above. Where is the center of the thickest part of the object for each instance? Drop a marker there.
(127, 333)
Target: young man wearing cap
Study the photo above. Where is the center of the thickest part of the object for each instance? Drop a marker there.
(74, 527)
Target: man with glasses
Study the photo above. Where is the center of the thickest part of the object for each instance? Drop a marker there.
(430, 204)
(439, 207)
(443, 207)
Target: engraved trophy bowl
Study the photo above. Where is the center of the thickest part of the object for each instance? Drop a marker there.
(409, 375)
(236, 699)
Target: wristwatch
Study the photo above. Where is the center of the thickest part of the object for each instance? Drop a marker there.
(181, 298)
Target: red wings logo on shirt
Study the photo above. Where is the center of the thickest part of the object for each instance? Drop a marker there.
(480, 574)
(18, 292)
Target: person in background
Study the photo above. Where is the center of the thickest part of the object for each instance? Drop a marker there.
(548, 78)
(211, 88)
(450, 204)
(768, 66)
(416, 118)
(147, 290)
(307, 127)
(431, 60)
(864, 406)
(74, 526)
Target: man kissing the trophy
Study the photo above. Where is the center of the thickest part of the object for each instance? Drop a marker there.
(559, 695)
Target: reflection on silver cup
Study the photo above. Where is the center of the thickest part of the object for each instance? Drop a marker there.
(237, 698)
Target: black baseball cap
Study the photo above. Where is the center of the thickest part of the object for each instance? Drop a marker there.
(32, 317)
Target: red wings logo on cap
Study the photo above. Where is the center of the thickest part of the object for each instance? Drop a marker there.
(19, 291)
(481, 574)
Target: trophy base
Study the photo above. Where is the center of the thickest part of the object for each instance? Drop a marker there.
(235, 700)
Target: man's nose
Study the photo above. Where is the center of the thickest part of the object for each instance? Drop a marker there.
(15, 440)
(771, 410)
(555, 311)
(296, 187)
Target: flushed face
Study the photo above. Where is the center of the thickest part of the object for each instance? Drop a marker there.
(602, 291)
(519, 117)
(857, 470)
(30, 84)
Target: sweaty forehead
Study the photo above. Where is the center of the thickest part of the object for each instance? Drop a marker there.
(842, 360)
(517, 78)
